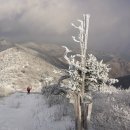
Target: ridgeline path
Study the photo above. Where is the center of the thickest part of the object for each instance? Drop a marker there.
(22, 111)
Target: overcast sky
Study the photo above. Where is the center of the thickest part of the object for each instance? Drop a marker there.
(49, 21)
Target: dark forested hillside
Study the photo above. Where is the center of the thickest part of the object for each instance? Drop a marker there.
(124, 82)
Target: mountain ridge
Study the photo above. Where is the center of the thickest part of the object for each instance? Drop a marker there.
(20, 69)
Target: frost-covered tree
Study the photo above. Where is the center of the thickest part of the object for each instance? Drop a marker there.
(96, 72)
(85, 74)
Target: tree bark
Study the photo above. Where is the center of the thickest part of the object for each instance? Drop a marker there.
(77, 106)
(87, 109)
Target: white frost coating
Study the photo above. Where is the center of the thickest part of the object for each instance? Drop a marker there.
(57, 71)
(73, 37)
(96, 73)
(48, 80)
(83, 35)
(65, 54)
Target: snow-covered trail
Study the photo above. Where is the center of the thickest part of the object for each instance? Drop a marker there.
(22, 111)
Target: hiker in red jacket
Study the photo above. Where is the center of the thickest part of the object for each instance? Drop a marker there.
(28, 90)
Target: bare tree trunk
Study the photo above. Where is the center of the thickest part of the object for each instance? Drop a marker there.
(89, 115)
(87, 109)
(83, 83)
(77, 106)
(76, 112)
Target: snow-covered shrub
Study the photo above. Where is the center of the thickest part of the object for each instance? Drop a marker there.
(61, 111)
(111, 110)
(53, 90)
(47, 90)
(54, 100)
(55, 97)
(63, 107)
(6, 90)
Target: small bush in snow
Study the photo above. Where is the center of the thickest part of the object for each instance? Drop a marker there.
(111, 110)
(55, 100)
(60, 113)
(64, 108)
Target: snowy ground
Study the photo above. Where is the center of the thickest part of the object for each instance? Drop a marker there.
(21, 111)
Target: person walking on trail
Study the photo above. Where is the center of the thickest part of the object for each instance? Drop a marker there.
(28, 90)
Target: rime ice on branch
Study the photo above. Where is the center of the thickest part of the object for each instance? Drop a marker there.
(88, 73)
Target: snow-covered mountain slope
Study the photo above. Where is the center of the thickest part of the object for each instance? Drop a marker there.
(22, 111)
(53, 53)
(22, 67)
(119, 66)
